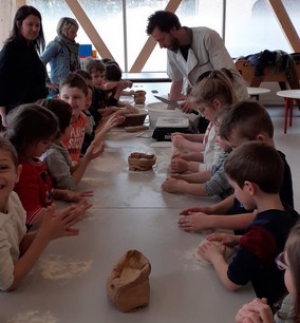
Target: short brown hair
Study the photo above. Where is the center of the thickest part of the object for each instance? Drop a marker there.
(6, 145)
(256, 162)
(29, 123)
(94, 66)
(74, 80)
(61, 109)
(248, 118)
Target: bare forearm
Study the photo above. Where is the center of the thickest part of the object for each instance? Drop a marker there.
(200, 177)
(231, 222)
(221, 268)
(194, 189)
(222, 207)
(176, 89)
(78, 172)
(29, 258)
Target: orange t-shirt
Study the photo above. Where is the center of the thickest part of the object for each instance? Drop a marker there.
(74, 143)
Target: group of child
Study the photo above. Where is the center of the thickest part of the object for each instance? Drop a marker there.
(259, 208)
(41, 160)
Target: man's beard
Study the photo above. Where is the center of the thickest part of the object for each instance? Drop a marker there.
(174, 44)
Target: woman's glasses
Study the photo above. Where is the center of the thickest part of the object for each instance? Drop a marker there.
(280, 262)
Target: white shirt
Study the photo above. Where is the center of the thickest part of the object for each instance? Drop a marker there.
(207, 53)
(12, 231)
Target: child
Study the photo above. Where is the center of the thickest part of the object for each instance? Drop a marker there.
(101, 99)
(113, 83)
(258, 311)
(20, 251)
(256, 185)
(246, 121)
(31, 129)
(209, 182)
(74, 90)
(210, 94)
(57, 158)
(94, 119)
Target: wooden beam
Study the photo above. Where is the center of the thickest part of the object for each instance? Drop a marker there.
(89, 28)
(20, 3)
(146, 51)
(286, 24)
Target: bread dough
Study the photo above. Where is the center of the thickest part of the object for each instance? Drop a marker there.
(228, 252)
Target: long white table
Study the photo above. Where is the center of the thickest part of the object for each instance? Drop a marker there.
(130, 212)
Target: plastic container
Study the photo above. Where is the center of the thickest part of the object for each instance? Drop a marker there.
(159, 109)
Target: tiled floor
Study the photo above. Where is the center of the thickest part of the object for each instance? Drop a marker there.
(289, 144)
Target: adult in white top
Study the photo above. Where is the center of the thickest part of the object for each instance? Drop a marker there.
(191, 52)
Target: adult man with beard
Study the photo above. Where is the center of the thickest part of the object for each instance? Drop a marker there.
(191, 52)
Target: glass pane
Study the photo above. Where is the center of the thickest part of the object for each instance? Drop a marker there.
(253, 26)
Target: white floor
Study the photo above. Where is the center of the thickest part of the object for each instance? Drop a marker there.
(289, 144)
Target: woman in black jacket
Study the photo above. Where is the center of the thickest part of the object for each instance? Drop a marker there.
(22, 73)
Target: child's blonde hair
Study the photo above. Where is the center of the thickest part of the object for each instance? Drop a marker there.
(212, 85)
(292, 248)
(6, 145)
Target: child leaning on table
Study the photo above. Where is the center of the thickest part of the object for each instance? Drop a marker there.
(96, 128)
(102, 102)
(74, 90)
(206, 183)
(258, 311)
(212, 93)
(31, 129)
(57, 159)
(257, 186)
(246, 121)
(19, 251)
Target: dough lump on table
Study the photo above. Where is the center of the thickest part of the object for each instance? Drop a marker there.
(228, 252)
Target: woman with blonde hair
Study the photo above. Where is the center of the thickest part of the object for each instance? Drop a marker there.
(62, 52)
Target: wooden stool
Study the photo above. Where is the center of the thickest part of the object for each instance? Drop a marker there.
(284, 79)
(289, 96)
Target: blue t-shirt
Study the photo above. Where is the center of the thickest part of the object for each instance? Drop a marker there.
(264, 239)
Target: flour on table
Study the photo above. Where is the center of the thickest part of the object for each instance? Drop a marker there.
(34, 317)
(112, 163)
(193, 264)
(56, 267)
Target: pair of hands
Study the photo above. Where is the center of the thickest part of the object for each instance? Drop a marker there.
(59, 223)
(256, 311)
(77, 197)
(195, 219)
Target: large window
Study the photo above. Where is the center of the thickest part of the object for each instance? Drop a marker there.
(250, 26)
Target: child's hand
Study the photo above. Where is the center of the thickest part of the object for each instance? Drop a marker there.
(58, 223)
(124, 84)
(195, 222)
(93, 152)
(70, 196)
(256, 311)
(179, 165)
(114, 120)
(80, 208)
(211, 252)
(227, 239)
(191, 210)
